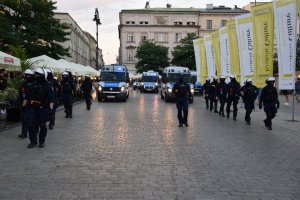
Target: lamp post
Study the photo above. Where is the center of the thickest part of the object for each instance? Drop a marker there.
(97, 20)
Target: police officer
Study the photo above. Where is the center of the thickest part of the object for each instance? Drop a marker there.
(206, 87)
(26, 85)
(269, 99)
(87, 87)
(38, 100)
(249, 93)
(67, 91)
(233, 96)
(213, 96)
(54, 84)
(221, 92)
(182, 92)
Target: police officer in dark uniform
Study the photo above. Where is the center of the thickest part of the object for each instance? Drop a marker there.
(233, 96)
(182, 92)
(249, 93)
(56, 89)
(269, 99)
(87, 87)
(26, 85)
(221, 91)
(3, 80)
(206, 87)
(213, 96)
(67, 91)
(38, 100)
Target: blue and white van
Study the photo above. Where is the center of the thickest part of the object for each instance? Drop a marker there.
(113, 83)
(169, 77)
(150, 82)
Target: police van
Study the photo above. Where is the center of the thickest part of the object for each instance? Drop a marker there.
(113, 83)
(150, 81)
(170, 76)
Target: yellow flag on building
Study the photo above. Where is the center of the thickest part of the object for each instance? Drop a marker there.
(216, 45)
(234, 49)
(263, 20)
(203, 62)
(298, 2)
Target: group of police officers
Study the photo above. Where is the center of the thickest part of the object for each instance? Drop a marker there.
(40, 95)
(219, 91)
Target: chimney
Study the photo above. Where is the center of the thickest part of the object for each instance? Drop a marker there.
(147, 5)
(210, 6)
(169, 5)
(235, 7)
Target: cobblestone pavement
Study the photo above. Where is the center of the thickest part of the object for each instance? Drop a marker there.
(135, 151)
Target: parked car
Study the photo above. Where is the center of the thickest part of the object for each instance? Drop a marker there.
(198, 89)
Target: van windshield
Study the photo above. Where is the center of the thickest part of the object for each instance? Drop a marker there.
(113, 76)
(173, 77)
(150, 78)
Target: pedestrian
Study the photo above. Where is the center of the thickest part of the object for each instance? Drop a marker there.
(37, 102)
(55, 85)
(233, 96)
(269, 100)
(286, 94)
(249, 93)
(221, 92)
(26, 85)
(182, 92)
(86, 88)
(67, 92)
(206, 87)
(212, 95)
(297, 89)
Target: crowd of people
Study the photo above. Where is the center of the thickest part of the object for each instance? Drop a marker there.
(40, 96)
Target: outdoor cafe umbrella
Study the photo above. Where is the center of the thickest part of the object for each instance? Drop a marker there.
(9, 62)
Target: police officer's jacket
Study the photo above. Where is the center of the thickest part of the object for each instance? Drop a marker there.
(181, 90)
(40, 95)
(249, 93)
(56, 88)
(233, 88)
(212, 88)
(67, 87)
(269, 96)
(87, 86)
(221, 90)
(26, 85)
(206, 87)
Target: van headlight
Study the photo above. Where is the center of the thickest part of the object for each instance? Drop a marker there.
(100, 88)
(156, 84)
(169, 90)
(142, 83)
(122, 89)
(192, 90)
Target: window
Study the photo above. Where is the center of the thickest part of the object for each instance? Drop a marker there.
(223, 22)
(161, 37)
(130, 22)
(177, 23)
(208, 24)
(143, 36)
(130, 37)
(178, 37)
(143, 22)
(191, 23)
(130, 55)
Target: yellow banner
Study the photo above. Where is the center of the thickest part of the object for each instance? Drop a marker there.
(298, 4)
(263, 23)
(216, 45)
(234, 49)
(203, 62)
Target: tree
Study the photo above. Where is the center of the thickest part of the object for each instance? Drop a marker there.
(30, 24)
(183, 54)
(151, 57)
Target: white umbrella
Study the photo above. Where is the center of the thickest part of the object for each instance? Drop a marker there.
(9, 62)
(46, 61)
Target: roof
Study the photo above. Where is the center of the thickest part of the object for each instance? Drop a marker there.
(162, 10)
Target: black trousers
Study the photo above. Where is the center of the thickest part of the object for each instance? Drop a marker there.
(213, 104)
(234, 102)
(222, 105)
(247, 115)
(270, 116)
(182, 110)
(207, 102)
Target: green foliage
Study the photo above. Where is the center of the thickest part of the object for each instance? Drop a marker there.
(183, 54)
(151, 57)
(30, 24)
(22, 55)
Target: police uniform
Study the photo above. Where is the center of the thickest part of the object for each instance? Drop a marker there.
(54, 84)
(206, 87)
(87, 87)
(182, 92)
(221, 92)
(212, 96)
(37, 101)
(233, 97)
(269, 99)
(67, 91)
(249, 93)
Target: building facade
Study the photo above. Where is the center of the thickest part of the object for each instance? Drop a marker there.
(82, 45)
(167, 26)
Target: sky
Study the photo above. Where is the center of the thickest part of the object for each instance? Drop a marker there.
(83, 13)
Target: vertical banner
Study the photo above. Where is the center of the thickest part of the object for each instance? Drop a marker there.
(298, 2)
(225, 52)
(234, 49)
(210, 56)
(216, 45)
(203, 61)
(244, 27)
(285, 12)
(263, 20)
(197, 57)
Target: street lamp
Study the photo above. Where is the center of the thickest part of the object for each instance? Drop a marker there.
(97, 20)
